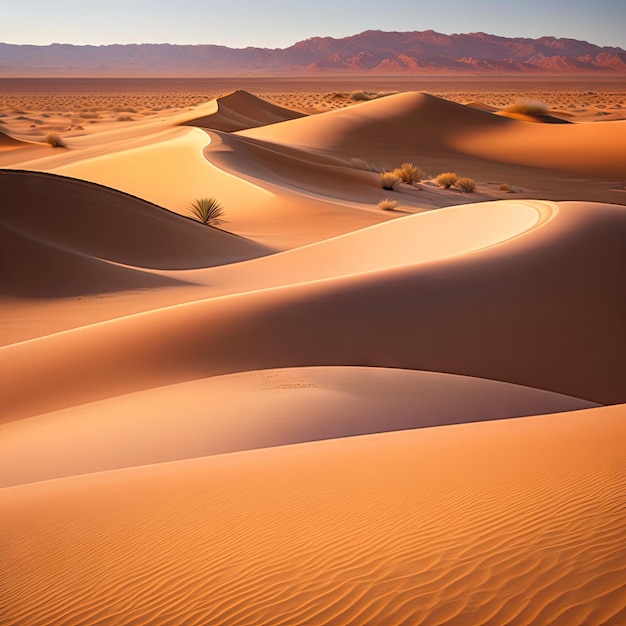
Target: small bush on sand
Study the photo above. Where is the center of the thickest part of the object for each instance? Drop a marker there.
(409, 173)
(528, 107)
(208, 211)
(362, 164)
(504, 187)
(387, 204)
(364, 96)
(388, 180)
(466, 185)
(124, 117)
(55, 141)
(446, 179)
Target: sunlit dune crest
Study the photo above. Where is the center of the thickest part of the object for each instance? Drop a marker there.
(312, 407)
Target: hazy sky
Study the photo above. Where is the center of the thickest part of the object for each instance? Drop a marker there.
(279, 23)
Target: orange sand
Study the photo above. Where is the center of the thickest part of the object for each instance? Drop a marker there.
(321, 412)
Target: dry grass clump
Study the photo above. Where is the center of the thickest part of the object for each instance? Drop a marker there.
(466, 185)
(446, 179)
(208, 211)
(409, 173)
(504, 187)
(124, 117)
(364, 96)
(362, 164)
(389, 180)
(528, 107)
(55, 140)
(387, 205)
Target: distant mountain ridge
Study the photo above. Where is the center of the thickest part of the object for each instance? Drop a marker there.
(371, 52)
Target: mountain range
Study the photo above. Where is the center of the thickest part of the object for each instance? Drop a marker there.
(371, 52)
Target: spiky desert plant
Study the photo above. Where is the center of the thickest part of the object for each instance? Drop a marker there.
(387, 204)
(446, 179)
(388, 180)
(466, 185)
(409, 173)
(208, 211)
(55, 141)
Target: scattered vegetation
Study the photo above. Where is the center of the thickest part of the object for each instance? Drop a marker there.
(409, 173)
(528, 107)
(466, 185)
(124, 117)
(389, 180)
(504, 187)
(364, 96)
(387, 204)
(446, 179)
(208, 211)
(55, 140)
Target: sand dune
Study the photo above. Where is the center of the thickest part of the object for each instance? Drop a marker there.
(305, 423)
(517, 521)
(241, 110)
(515, 312)
(254, 410)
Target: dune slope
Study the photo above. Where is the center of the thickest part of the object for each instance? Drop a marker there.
(241, 110)
(516, 521)
(544, 309)
(254, 410)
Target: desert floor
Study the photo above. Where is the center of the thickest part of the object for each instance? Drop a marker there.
(317, 411)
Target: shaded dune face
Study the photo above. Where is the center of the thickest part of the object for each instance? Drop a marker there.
(63, 237)
(397, 423)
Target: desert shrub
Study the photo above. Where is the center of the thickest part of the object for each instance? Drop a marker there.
(388, 180)
(446, 179)
(208, 211)
(362, 164)
(504, 187)
(364, 96)
(528, 107)
(466, 185)
(55, 141)
(387, 204)
(409, 173)
(124, 117)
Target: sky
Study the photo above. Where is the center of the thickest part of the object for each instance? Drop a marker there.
(280, 23)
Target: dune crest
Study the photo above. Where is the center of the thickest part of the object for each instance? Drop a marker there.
(241, 110)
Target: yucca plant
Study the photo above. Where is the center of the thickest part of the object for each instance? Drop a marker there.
(208, 211)
(388, 180)
(446, 179)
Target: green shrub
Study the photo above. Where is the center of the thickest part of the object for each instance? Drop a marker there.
(387, 204)
(208, 211)
(446, 179)
(466, 185)
(388, 180)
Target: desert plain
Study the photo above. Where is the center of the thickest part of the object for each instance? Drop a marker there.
(317, 411)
